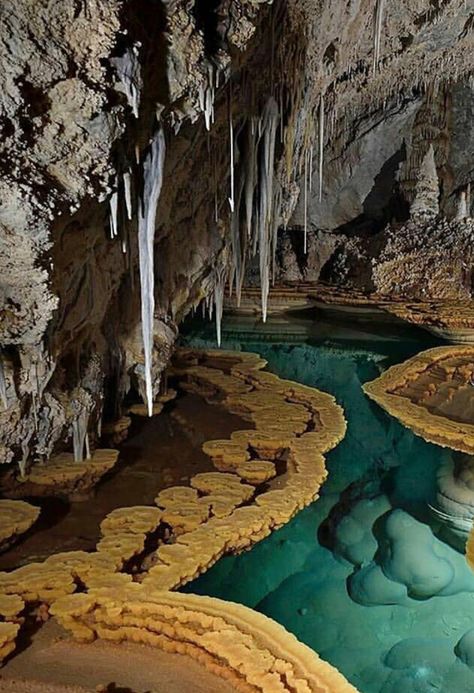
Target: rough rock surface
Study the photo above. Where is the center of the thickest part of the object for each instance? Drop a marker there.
(83, 84)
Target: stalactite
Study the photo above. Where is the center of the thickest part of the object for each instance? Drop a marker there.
(127, 187)
(129, 72)
(113, 204)
(265, 207)
(152, 181)
(3, 385)
(232, 173)
(25, 453)
(79, 430)
(378, 18)
(206, 96)
(305, 202)
(219, 289)
(321, 145)
(250, 172)
(462, 209)
(88, 447)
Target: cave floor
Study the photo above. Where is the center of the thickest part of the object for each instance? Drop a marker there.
(53, 663)
(159, 452)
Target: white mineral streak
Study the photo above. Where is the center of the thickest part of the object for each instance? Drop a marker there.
(127, 187)
(152, 181)
(129, 73)
(378, 18)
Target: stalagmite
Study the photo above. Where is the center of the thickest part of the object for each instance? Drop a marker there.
(427, 188)
(152, 182)
(321, 145)
(129, 73)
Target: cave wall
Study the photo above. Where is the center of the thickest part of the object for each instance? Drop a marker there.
(71, 127)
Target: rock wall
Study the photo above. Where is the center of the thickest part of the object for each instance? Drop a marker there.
(255, 99)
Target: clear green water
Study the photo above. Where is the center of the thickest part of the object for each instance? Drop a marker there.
(366, 576)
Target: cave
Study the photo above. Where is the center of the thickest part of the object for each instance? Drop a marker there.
(237, 346)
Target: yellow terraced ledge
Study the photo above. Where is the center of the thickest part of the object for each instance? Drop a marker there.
(292, 423)
(251, 651)
(432, 395)
(16, 517)
(290, 427)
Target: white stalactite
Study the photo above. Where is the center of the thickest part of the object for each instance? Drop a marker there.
(88, 447)
(232, 173)
(113, 203)
(305, 223)
(127, 187)
(79, 432)
(378, 19)
(152, 181)
(321, 145)
(266, 220)
(250, 173)
(219, 289)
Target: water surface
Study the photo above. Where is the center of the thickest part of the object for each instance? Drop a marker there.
(367, 576)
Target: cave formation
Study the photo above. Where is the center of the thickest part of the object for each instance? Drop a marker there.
(295, 173)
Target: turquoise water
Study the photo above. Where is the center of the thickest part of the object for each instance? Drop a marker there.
(366, 575)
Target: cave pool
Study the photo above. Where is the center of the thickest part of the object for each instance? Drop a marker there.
(366, 576)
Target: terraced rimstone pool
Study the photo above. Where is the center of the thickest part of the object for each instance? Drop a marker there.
(370, 575)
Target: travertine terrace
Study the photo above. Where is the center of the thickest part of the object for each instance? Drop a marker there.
(432, 393)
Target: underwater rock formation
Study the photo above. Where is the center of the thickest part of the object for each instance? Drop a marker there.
(455, 498)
